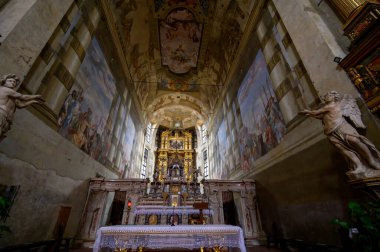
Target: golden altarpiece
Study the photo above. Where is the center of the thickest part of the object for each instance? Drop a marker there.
(175, 156)
(176, 194)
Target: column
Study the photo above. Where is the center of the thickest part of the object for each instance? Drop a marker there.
(252, 209)
(220, 207)
(213, 203)
(92, 217)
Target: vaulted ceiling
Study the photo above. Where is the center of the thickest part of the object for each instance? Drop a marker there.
(179, 53)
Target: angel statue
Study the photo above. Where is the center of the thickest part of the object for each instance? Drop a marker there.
(10, 100)
(337, 115)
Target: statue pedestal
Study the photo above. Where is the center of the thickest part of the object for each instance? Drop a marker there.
(368, 185)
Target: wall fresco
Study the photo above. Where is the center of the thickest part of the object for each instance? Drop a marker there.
(127, 144)
(222, 150)
(263, 125)
(90, 111)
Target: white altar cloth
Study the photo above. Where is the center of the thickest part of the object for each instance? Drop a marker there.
(159, 237)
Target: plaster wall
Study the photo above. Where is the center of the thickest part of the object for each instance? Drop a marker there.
(51, 171)
(304, 193)
(22, 40)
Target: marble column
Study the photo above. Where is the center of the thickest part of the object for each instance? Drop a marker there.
(214, 205)
(246, 217)
(107, 208)
(92, 216)
(253, 211)
(220, 208)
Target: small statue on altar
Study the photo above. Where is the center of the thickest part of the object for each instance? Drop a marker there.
(196, 174)
(147, 186)
(155, 175)
(201, 187)
(336, 114)
(10, 100)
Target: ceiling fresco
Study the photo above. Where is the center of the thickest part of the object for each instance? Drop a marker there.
(180, 36)
(180, 47)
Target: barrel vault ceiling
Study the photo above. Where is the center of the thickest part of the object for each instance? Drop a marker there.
(179, 53)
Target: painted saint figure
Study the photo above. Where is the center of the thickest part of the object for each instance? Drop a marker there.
(361, 154)
(10, 100)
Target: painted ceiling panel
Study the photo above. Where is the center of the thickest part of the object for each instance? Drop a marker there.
(180, 36)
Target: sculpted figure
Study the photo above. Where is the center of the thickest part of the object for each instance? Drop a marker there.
(156, 175)
(361, 154)
(10, 100)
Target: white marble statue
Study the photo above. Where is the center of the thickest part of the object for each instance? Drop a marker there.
(340, 116)
(10, 100)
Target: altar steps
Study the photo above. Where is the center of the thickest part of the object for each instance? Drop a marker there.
(249, 249)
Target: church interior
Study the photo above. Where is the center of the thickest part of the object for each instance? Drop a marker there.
(239, 123)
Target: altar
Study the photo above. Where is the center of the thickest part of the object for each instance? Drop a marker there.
(163, 236)
(176, 209)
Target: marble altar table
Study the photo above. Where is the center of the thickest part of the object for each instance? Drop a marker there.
(160, 237)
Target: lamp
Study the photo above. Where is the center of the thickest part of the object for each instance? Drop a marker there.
(337, 59)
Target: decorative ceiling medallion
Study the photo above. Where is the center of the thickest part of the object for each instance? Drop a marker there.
(180, 37)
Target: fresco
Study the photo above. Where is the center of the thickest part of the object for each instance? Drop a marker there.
(178, 85)
(222, 150)
(180, 37)
(86, 117)
(127, 144)
(263, 124)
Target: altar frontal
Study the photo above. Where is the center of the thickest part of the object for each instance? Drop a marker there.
(139, 237)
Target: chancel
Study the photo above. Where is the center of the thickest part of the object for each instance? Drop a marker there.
(189, 124)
